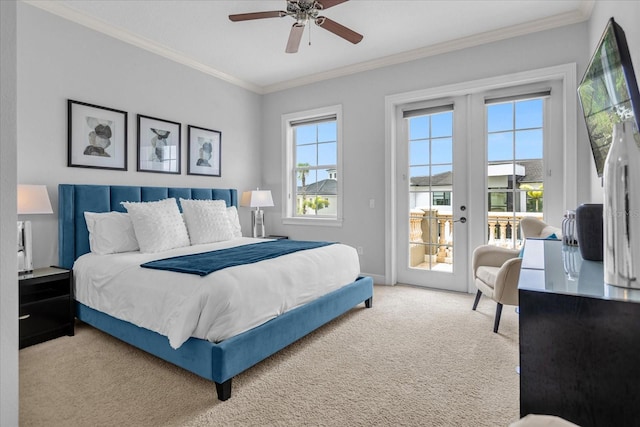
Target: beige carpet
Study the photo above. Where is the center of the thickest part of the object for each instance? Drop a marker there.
(419, 357)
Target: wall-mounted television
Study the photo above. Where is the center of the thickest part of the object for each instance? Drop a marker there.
(609, 92)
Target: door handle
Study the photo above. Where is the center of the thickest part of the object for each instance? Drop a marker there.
(24, 317)
(462, 220)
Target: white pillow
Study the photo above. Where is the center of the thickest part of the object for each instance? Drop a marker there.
(110, 233)
(234, 221)
(207, 220)
(158, 225)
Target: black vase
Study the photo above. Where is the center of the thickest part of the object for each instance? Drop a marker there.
(589, 226)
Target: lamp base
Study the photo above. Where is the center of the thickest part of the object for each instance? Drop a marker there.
(257, 223)
(25, 259)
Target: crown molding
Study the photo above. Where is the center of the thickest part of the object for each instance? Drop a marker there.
(135, 40)
(568, 18)
(552, 22)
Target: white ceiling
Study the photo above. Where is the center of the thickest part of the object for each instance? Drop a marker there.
(251, 53)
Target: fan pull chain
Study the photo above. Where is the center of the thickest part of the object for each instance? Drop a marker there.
(310, 34)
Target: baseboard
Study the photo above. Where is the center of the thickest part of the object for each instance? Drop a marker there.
(377, 279)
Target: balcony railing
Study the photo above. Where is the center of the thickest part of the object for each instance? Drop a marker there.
(431, 234)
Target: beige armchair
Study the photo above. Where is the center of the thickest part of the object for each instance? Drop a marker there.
(496, 272)
(536, 228)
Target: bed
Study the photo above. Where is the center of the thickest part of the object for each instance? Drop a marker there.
(216, 361)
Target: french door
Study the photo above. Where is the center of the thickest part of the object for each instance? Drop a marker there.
(470, 168)
(432, 194)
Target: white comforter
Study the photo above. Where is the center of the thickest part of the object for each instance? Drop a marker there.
(214, 307)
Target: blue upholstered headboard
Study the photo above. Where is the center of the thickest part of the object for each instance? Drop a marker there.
(74, 200)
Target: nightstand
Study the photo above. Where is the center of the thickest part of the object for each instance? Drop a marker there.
(46, 305)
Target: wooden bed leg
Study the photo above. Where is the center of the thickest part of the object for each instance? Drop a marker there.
(368, 302)
(224, 390)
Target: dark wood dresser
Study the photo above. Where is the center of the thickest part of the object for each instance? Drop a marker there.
(579, 339)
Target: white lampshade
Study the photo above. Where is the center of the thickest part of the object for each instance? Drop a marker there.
(256, 198)
(33, 199)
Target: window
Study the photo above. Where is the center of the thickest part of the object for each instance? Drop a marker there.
(442, 198)
(515, 161)
(314, 186)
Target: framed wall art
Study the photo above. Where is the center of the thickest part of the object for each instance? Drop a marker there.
(158, 145)
(97, 136)
(204, 156)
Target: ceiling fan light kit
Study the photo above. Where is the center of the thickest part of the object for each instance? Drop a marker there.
(304, 11)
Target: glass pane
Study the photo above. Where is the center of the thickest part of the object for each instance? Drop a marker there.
(532, 197)
(500, 117)
(420, 200)
(442, 124)
(419, 152)
(498, 202)
(500, 146)
(307, 155)
(419, 127)
(441, 198)
(305, 134)
(442, 175)
(500, 175)
(322, 174)
(327, 131)
(529, 144)
(327, 153)
(431, 170)
(304, 178)
(515, 173)
(419, 171)
(529, 114)
(442, 150)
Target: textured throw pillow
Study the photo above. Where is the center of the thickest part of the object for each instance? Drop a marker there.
(110, 233)
(207, 220)
(234, 221)
(158, 225)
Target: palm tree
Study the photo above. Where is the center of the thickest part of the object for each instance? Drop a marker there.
(303, 170)
(535, 194)
(317, 203)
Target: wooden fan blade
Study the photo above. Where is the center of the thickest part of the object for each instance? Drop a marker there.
(257, 15)
(294, 38)
(338, 29)
(326, 4)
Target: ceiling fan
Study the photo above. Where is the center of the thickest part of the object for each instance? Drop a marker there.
(304, 11)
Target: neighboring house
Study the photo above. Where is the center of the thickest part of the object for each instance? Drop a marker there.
(319, 198)
(434, 192)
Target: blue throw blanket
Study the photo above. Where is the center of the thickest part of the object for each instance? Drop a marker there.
(208, 262)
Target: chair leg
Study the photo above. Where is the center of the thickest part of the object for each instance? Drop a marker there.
(497, 322)
(475, 303)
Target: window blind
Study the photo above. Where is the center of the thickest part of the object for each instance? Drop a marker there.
(426, 111)
(313, 120)
(520, 97)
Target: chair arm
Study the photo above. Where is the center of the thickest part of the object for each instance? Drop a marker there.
(493, 256)
(506, 286)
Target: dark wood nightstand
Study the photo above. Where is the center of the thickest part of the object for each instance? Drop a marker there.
(46, 305)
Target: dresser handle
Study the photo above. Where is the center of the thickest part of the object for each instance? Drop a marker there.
(26, 316)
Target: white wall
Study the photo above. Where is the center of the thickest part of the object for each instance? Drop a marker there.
(8, 236)
(626, 14)
(363, 95)
(60, 60)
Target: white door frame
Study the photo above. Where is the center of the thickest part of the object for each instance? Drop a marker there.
(566, 73)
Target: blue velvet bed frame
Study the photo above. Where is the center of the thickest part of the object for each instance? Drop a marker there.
(218, 362)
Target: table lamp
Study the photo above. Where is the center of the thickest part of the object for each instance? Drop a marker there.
(32, 199)
(257, 199)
